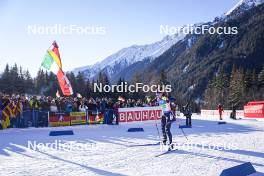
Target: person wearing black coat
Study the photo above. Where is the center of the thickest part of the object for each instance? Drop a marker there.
(187, 112)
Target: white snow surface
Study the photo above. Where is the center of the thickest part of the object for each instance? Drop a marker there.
(185, 68)
(221, 45)
(191, 87)
(119, 152)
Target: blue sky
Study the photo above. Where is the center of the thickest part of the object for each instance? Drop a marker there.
(126, 22)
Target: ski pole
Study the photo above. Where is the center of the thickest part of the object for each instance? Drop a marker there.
(184, 134)
(157, 128)
(180, 127)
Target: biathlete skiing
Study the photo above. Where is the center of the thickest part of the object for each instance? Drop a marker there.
(166, 119)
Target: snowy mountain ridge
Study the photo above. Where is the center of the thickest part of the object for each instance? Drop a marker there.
(130, 55)
(115, 63)
(243, 5)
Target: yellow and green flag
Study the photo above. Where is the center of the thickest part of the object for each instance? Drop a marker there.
(52, 62)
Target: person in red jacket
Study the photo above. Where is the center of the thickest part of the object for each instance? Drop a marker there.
(220, 110)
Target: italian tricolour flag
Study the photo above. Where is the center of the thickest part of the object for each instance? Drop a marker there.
(52, 62)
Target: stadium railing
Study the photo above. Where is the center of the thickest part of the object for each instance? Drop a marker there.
(40, 118)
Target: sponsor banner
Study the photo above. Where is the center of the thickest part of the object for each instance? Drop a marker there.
(139, 114)
(77, 114)
(62, 119)
(59, 120)
(96, 119)
(78, 118)
(254, 110)
(225, 114)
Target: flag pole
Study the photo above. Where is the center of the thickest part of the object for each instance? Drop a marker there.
(54, 43)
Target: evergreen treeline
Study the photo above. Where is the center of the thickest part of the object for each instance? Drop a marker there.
(15, 80)
(234, 90)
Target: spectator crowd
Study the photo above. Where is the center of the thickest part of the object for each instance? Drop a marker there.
(63, 104)
(67, 104)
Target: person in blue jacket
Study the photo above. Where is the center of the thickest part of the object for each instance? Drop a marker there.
(166, 119)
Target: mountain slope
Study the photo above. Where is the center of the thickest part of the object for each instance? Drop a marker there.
(192, 61)
(242, 6)
(194, 67)
(129, 65)
(117, 62)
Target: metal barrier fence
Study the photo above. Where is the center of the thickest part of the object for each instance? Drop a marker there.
(38, 118)
(33, 118)
(79, 118)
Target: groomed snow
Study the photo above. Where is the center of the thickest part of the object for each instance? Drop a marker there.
(114, 151)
